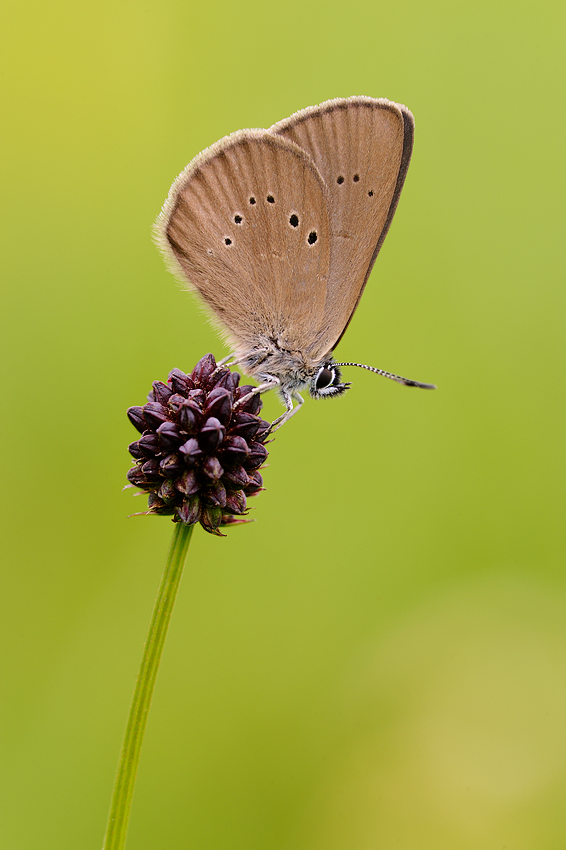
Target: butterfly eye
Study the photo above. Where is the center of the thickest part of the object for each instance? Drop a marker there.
(325, 378)
(327, 382)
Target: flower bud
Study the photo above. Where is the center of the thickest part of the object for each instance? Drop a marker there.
(236, 501)
(151, 469)
(136, 451)
(211, 434)
(172, 465)
(219, 404)
(198, 396)
(225, 378)
(161, 392)
(189, 416)
(154, 414)
(189, 511)
(211, 518)
(188, 483)
(212, 470)
(175, 401)
(204, 369)
(257, 455)
(135, 415)
(169, 436)
(236, 477)
(245, 425)
(215, 495)
(167, 492)
(149, 444)
(156, 505)
(136, 477)
(255, 483)
(234, 450)
(180, 383)
(191, 451)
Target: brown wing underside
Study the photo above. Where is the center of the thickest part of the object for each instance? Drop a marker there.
(362, 148)
(247, 224)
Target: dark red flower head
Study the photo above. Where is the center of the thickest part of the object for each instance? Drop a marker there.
(201, 447)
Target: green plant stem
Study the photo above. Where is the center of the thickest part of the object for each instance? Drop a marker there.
(119, 816)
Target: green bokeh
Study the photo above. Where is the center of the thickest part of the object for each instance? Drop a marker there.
(379, 661)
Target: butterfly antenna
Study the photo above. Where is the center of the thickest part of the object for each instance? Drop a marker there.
(398, 378)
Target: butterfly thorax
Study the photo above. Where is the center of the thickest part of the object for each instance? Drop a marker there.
(290, 368)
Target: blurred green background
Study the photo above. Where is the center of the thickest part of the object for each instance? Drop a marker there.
(380, 660)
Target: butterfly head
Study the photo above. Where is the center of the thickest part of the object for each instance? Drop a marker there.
(326, 381)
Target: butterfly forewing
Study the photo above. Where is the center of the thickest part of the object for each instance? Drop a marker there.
(247, 225)
(361, 147)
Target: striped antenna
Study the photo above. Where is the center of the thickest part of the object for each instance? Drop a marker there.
(398, 378)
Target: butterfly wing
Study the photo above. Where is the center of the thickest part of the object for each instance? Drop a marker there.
(362, 148)
(246, 223)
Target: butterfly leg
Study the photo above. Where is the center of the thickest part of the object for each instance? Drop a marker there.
(268, 385)
(233, 359)
(277, 423)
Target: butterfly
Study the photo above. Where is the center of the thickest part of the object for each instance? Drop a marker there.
(277, 231)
